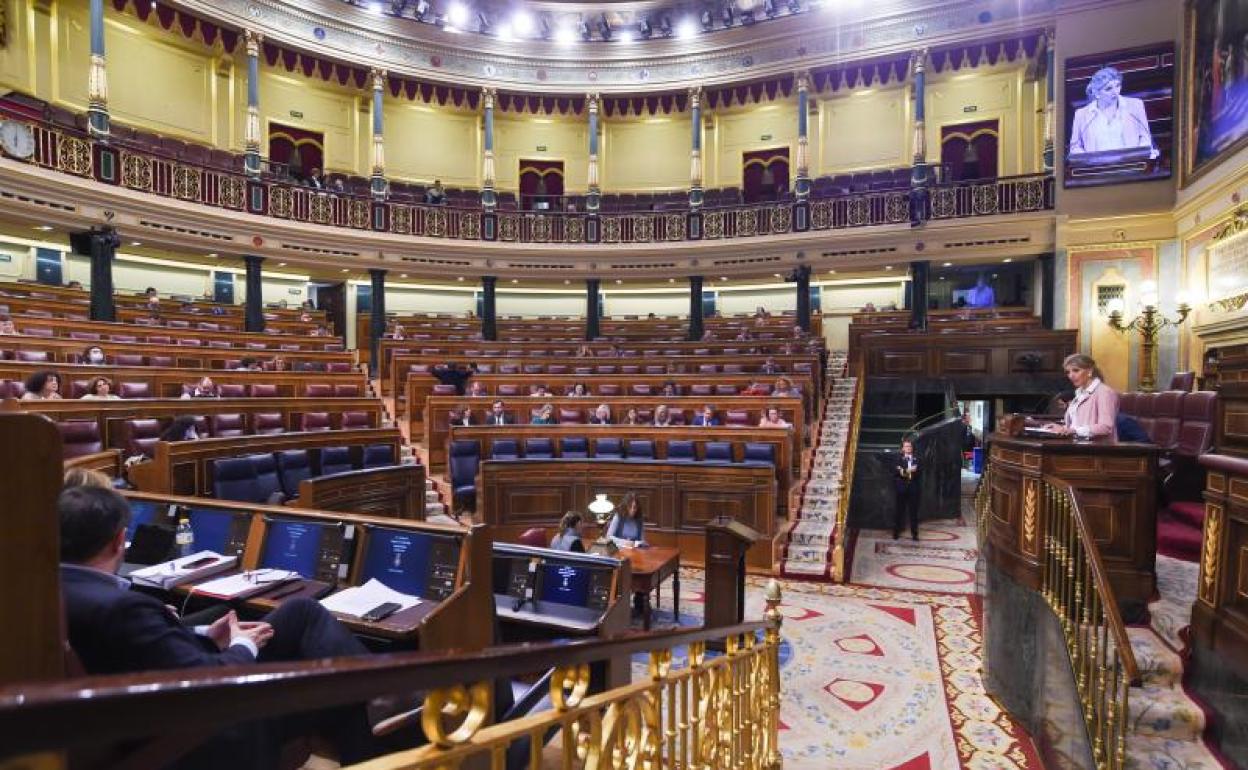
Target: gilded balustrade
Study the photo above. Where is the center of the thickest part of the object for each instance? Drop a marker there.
(63, 150)
(710, 713)
(1077, 589)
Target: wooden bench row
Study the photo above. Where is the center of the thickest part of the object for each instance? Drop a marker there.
(163, 314)
(207, 332)
(421, 386)
(170, 381)
(59, 350)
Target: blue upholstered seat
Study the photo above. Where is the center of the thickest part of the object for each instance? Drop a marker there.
(378, 455)
(505, 449)
(539, 448)
(465, 457)
(573, 447)
(680, 451)
(640, 449)
(266, 476)
(336, 459)
(608, 449)
(293, 466)
(718, 451)
(760, 454)
(234, 478)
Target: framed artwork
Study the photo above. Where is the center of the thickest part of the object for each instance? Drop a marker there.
(1119, 116)
(1216, 83)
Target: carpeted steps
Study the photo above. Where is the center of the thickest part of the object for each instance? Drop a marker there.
(808, 551)
(1179, 530)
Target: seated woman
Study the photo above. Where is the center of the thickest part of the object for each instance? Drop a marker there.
(1093, 412)
(772, 419)
(476, 389)
(94, 356)
(631, 417)
(546, 416)
(100, 389)
(662, 416)
(784, 387)
(569, 537)
(601, 415)
(181, 429)
(7, 328)
(579, 390)
(205, 388)
(42, 386)
(627, 528)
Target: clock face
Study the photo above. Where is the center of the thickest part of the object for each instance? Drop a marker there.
(17, 139)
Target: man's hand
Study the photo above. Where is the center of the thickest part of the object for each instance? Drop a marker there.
(219, 632)
(259, 633)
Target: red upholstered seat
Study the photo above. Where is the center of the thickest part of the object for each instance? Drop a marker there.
(312, 421)
(700, 389)
(708, 368)
(318, 390)
(737, 418)
(1167, 409)
(640, 389)
(255, 346)
(1127, 403)
(226, 425)
(1183, 381)
(78, 388)
(123, 338)
(190, 342)
(232, 390)
(506, 389)
(725, 390)
(263, 423)
(220, 344)
(165, 361)
(733, 368)
(263, 390)
(128, 359)
(609, 389)
(354, 420)
(1144, 405)
(178, 324)
(1200, 411)
(37, 331)
(134, 390)
(570, 416)
(80, 437)
(84, 335)
(445, 389)
(338, 366)
(343, 390)
(534, 537)
(31, 356)
(141, 436)
(160, 339)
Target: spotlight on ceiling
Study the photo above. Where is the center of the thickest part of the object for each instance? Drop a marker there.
(665, 26)
(725, 15)
(565, 36)
(457, 15)
(585, 31)
(644, 29)
(625, 36)
(708, 21)
(544, 25)
(687, 30)
(522, 23)
(769, 8)
(604, 27)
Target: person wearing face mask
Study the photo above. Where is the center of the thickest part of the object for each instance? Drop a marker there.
(94, 356)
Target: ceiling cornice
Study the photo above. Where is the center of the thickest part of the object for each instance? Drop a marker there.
(811, 39)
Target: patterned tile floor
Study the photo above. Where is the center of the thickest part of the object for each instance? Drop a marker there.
(879, 679)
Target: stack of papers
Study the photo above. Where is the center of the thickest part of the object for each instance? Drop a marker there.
(245, 584)
(357, 601)
(171, 573)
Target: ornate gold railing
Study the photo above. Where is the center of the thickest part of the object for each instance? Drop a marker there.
(707, 713)
(847, 474)
(983, 506)
(1077, 589)
(720, 712)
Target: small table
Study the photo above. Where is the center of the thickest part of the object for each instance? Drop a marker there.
(650, 567)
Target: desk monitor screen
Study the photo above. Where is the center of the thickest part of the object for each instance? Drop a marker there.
(311, 548)
(144, 512)
(219, 530)
(411, 562)
(575, 584)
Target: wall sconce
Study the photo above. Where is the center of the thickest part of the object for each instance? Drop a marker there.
(1149, 324)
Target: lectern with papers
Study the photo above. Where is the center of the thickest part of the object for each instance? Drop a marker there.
(727, 541)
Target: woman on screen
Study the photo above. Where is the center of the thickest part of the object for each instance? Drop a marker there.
(627, 528)
(1109, 121)
(569, 537)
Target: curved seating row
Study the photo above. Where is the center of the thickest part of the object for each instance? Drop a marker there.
(258, 478)
(1179, 422)
(128, 390)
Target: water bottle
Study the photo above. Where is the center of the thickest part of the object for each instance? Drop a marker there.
(184, 538)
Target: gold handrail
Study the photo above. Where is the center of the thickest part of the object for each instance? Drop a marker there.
(721, 712)
(983, 507)
(847, 473)
(1077, 589)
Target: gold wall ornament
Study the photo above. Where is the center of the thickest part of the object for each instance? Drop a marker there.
(508, 227)
(470, 225)
(280, 202)
(464, 707)
(1030, 506)
(1029, 195)
(713, 224)
(358, 214)
(400, 220)
(1236, 224)
(984, 199)
(747, 222)
(574, 230)
(781, 219)
(73, 155)
(944, 203)
(1230, 304)
(231, 192)
(136, 172)
(896, 207)
(97, 84)
(319, 210)
(857, 211)
(611, 228)
(674, 227)
(643, 229)
(186, 183)
(1209, 558)
(435, 222)
(821, 215)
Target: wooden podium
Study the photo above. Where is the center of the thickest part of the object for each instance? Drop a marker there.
(727, 542)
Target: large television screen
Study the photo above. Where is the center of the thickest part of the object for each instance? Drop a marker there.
(1119, 116)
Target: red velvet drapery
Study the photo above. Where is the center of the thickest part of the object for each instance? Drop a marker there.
(301, 150)
(765, 174)
(541, 180)
(969, 150)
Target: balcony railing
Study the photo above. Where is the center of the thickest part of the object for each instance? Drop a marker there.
(143, 171)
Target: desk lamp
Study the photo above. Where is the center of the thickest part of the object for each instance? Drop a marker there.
(601, 509)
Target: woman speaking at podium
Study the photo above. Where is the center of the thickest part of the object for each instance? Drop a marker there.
(1094, 410)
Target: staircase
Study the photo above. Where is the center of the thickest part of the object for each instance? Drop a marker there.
(435, 509)
(808, 551)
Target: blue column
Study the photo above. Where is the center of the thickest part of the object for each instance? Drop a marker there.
(592, 199)
(379, 142)
(918, 177)
(377, 320)
(695, 308)
(253, 315)
(801, 181)
(489, 308)
(97, 78)
(251, 132)
(1050, 109)
(488, 196)
(695, 147)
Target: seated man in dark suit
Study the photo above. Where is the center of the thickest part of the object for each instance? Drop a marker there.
(706, 416)
(115, 630)
(496, 415)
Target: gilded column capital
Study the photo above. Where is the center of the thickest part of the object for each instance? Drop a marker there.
(591, 102)
(487, 98)
(695, 96)
(253, 40)
(919, 61)
(802, 79)
(379, 80)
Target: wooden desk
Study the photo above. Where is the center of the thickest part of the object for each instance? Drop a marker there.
(1115, 484)
(394, 490)
(167, 382)
(651, 566)
(63, 350)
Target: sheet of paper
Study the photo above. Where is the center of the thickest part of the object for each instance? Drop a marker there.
(176, 572)
(244, 584)
(359, 600)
